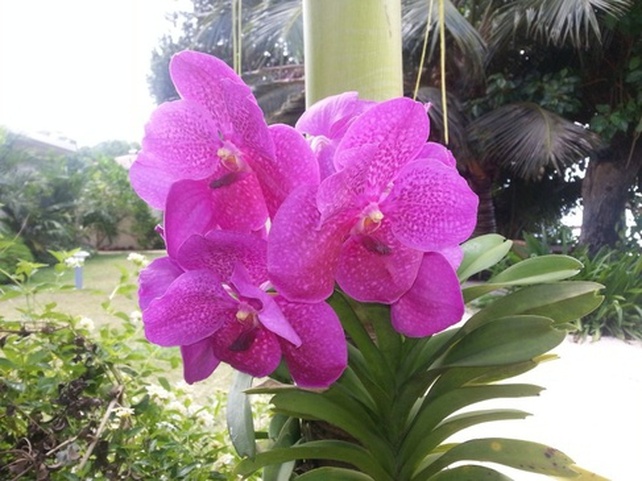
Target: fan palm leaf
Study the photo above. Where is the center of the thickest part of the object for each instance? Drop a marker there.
(526, 139)
(560, 22)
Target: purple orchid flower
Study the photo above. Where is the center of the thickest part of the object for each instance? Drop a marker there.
(434, 302)
(211, 300)
(210, 161)
(368, 225)
(325, 124)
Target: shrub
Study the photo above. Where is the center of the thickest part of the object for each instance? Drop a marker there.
(620, 271)
(11, 252)
(82, 405)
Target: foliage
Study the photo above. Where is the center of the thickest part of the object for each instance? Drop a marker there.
(392, 414)
(50, 201)
(107, 200)
(12, 251)
(618, 270)
(85, 405)
(38, 192)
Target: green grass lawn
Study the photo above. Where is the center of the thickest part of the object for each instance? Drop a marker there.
(102, 273)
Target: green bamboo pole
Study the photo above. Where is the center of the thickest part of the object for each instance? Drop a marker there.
(352, 45)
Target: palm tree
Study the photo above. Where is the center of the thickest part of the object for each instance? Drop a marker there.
(526, 131)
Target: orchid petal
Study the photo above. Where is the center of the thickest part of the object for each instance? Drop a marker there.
(155, 279)
(149, 181)
(323, 355)
(183, 139)
(198, 77)
(433, 303)
(219, 251)
(189, 211)
(199, 361)
(193, 307)
(327, 116)
(294, 165)
(398, 127)
(270, 315)
(454, 255)
(248, 129)
(377, 267)
(255, 351)
(434, 151)
(431, 206)
(349, 188)
(240, 205)
(302, 255)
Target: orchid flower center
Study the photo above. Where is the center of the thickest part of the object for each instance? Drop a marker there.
(231, 157)
(369, 220)
(318, 143)
(247, 314)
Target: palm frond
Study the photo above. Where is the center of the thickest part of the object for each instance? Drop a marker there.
(279, 24)
(527, 138)
(559, 22)
(470, 44)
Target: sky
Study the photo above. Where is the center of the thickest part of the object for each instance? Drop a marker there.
(78, 68)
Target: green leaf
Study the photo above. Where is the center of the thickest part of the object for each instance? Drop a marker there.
(524, 455)
(379, 369)
(547, 268)
(331, 450)
(540, 269)
(239, 416)
(433, 411)
(504, 341)
(452, 426)
(334, 474)
(562, 302)
(165, 383)
(342, 413)
(481, 253)
(470, 473)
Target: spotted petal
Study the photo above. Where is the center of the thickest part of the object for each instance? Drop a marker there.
(194, 307)
(220, 251)
(431, 206)
(377, 267)
(323, 354)
(398, 127)
(198, 77)
(183, 140)
(293, 165)
(302, 255)
(255, 351)
(433, 303)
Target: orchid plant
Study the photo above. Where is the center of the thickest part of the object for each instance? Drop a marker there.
(328, 259)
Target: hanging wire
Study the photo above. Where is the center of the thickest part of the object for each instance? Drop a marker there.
(237, 29)
(442, 61)
(423, 50)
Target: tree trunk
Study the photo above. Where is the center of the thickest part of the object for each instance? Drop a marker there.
(605, 190)
(352, 45)
(480, 181)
